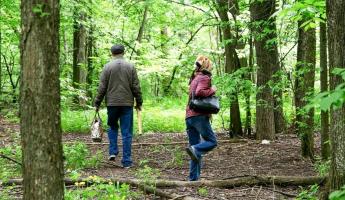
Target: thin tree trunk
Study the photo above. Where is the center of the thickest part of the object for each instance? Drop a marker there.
(142, 26)
(79, 56)
(304, 88)
(267, 58)
(279, 119)
(90, 67)
(0, 64)
(167, 88)
(164, 38)
(40, 125)
(248, 126)
(231, 65)
(141, 30)
(325, 148)
(336, 44)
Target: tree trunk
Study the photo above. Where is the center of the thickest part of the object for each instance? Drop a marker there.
(336, 44)
(231, 65)
(247, 92)
(267, 56)
(90, 67)
(141, 30)
(325, 149)
(279, 119)
(163, 40)
(79, 56)
(304, 88)
(40, 125)
(0, 65)
(143, 23)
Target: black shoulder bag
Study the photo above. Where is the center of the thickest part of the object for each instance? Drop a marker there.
(207, 105)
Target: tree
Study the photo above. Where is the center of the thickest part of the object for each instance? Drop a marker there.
(267, 58)
(324, 88)
(142, 28)
(0, 62)
(304, 86)
(336, 43)
(40, 125)
(232, 63)
(79, 53)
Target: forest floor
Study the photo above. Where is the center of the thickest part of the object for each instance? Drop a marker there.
(281, 157)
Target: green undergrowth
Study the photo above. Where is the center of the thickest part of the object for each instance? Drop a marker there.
(77, 156)
(10, 169)
(159, 116)
(102, 190)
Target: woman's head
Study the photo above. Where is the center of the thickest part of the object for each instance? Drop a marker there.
(203, 63)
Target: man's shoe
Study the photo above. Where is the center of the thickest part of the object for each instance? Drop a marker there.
(112, 158)
(191, 152)
(127, 167)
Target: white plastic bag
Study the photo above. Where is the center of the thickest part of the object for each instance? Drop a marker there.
(96, 129)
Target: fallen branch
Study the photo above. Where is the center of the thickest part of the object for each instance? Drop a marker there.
(11, 159)
(161, 143)
(280, 192)
(230, 183)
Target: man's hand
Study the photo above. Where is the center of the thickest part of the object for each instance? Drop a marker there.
(138, 108)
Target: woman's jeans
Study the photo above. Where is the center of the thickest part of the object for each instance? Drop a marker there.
(199, 126)
(125, 114)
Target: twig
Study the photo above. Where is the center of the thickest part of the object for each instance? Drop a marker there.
(11, 159)
(180, 196)
(257, 194)
(280, 192)
(232, 177)
(184, 4)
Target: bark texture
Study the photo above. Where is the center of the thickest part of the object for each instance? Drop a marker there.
(40, 101)
(231, 65)
(325, 149)
(336, 47)
(267, 59)
(79, 55)
(304, 84)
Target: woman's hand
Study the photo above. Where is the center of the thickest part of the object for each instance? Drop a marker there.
(214, 87)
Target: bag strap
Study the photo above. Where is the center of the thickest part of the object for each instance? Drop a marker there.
(97, 115)
(194, 91)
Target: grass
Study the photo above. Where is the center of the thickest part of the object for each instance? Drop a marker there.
(158, 116)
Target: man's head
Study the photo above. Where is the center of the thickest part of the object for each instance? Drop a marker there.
(117, 49)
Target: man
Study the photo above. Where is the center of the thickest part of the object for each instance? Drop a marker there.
(119, 84)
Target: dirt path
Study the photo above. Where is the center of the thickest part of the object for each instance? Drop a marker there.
(281, 157)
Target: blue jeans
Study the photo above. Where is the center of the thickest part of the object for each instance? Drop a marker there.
(125, 114)
(199, 126)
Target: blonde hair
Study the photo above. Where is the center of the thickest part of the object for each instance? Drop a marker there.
(203, 63)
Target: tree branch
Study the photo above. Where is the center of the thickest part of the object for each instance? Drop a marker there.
(11, 159)
(188, 5)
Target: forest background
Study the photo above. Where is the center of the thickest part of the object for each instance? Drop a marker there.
(269, 57)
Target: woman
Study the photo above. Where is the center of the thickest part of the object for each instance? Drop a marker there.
(198, 124)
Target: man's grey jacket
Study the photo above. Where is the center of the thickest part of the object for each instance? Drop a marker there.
(119, 84)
